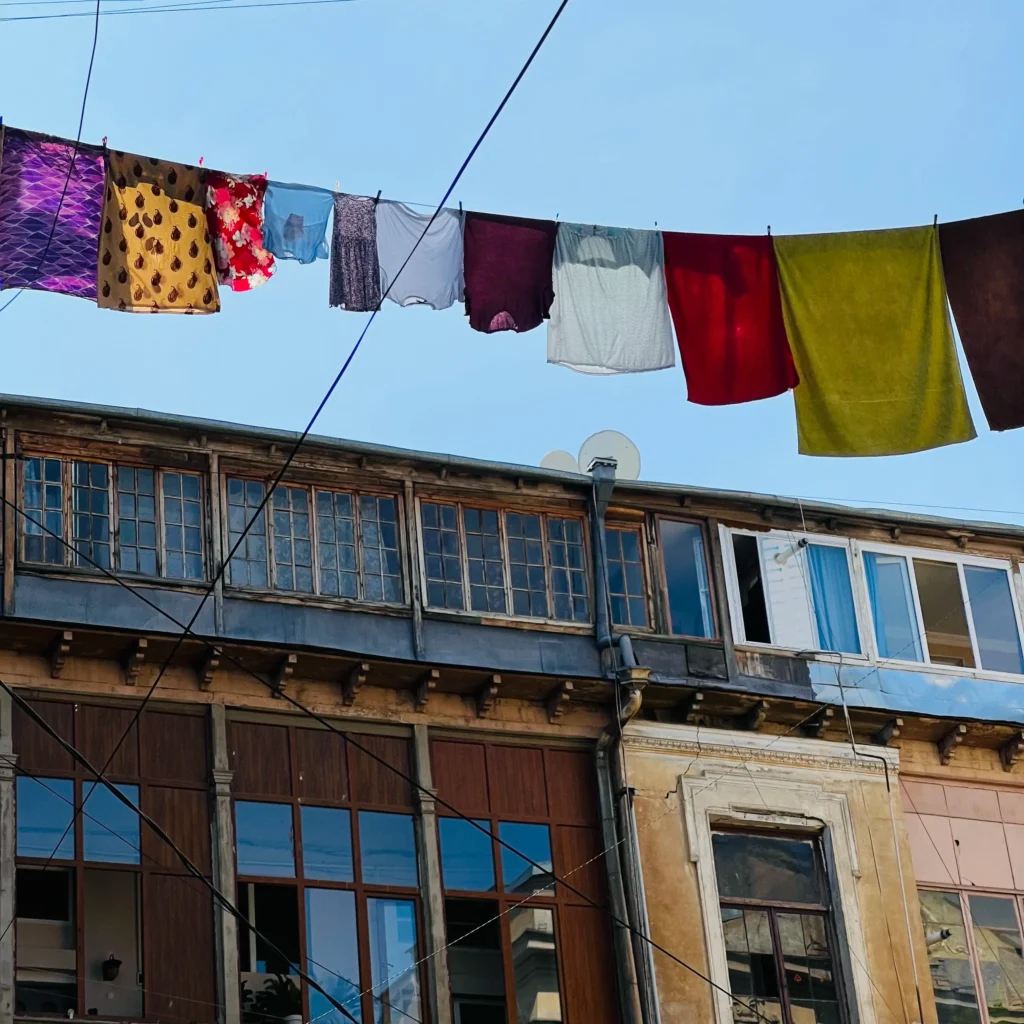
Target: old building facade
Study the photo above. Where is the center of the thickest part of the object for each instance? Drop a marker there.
(467, 742)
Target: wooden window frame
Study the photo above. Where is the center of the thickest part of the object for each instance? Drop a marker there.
(69, 560)
(639, 526)
(312, 491)
(363, 891)
(662, 574)
(774, 907)
(145, 867)
(460, 505)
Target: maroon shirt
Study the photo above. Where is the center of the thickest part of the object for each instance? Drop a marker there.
(508, 271)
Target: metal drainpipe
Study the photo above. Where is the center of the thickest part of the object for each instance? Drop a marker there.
(634, 992)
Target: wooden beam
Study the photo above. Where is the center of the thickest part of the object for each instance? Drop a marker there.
(487, 695)
(134, 660)
(815, 727)
(354, 681)
(1012, 751)
(284, 671)
(753, 718)
(59, 651)
(948, 744)
(427, 685)
(207, 668)
(558, 700)
(889, 732)
(688, 710)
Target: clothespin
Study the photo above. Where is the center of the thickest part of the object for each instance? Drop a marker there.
(769, 231)
(104, 142)
(377, 200)
(201, 159)
(460, 207)
(655, 223)
(935, 222)
(337, 186)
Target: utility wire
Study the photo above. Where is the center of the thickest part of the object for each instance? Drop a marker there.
(330, 391)
(214, 5)
(74, 154)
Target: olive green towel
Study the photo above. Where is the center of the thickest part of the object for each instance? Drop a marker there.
(867, 320)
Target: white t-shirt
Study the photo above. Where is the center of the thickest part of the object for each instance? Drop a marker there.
(610, 313)
(433, 277)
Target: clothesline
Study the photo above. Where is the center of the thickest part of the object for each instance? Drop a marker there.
(855, 323)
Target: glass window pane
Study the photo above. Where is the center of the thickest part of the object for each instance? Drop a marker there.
(393, 955)
(327, 844)
(753, 977)
(809, 971)
(526, 563)
(625, 577)
(686, 579)
(382, 581)
(892, 604)
(266, 960)
(945, 618)
(476, 971)
(136, 525)
(387, 848)
(485, 561)
(332, 952)
(534, 842)
(45, 809)
(292, 555)
(36, 497)
(110, 830)
(949, 958)
(747, 555)
(263, 839)
(249, 562)
(997, 939)
(764, 867)
(111, 928)
(467, 855)
(91, 524)
(995, 625)
(441, 537)
(535, 963)
(832, 598)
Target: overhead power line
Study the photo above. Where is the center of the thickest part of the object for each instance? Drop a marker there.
(213, 5)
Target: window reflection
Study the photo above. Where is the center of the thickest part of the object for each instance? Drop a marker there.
(768, 868)
(517, 874)
(467, 857)
(945, 937)
(997, 939)
(393, 956)
(267, 990)
(753, 979)
(263, 839)
(686, 578)
(45, 809)
(535, 964)
(476, 970)
(332, 953)
(387, 848)
(326, 844)
(110, 831)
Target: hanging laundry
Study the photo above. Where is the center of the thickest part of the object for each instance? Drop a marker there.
(234, 213)
(866, 317)
(295, 221)
(723, 291)
(983, 261)
(154, 253)
(34, 175)
(355, 272)
(508, 272)
(610, 312)
(433, 275)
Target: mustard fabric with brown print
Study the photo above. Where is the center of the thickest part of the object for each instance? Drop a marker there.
(155, 254)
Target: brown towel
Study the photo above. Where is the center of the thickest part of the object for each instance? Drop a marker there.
(983, 260)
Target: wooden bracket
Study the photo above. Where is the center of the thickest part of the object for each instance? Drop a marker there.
(688, 710)
(134, 660)
(889, 732)
(59, 651)
(1012, 751)
(427, 685)
(558, 700)
(487, 695)
(284, 671)
(815, 727)
(753, 718)
(354, 681)
(948, 744)
(207, 668)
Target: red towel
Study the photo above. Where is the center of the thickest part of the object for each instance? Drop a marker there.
(723, 291)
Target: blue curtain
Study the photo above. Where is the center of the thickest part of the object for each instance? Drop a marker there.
(892, 605)
(832, 598)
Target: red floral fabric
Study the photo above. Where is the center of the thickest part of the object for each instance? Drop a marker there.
(234, 213)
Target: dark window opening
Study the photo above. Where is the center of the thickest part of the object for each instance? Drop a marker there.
(268, 989)
(475, 966)
(751, 587)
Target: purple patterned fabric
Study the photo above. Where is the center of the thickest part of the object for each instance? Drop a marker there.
(33, 170)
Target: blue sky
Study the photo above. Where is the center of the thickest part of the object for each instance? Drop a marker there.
(706, 117)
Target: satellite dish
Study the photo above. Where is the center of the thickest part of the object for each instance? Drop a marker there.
(610, 444)
(559, 460)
